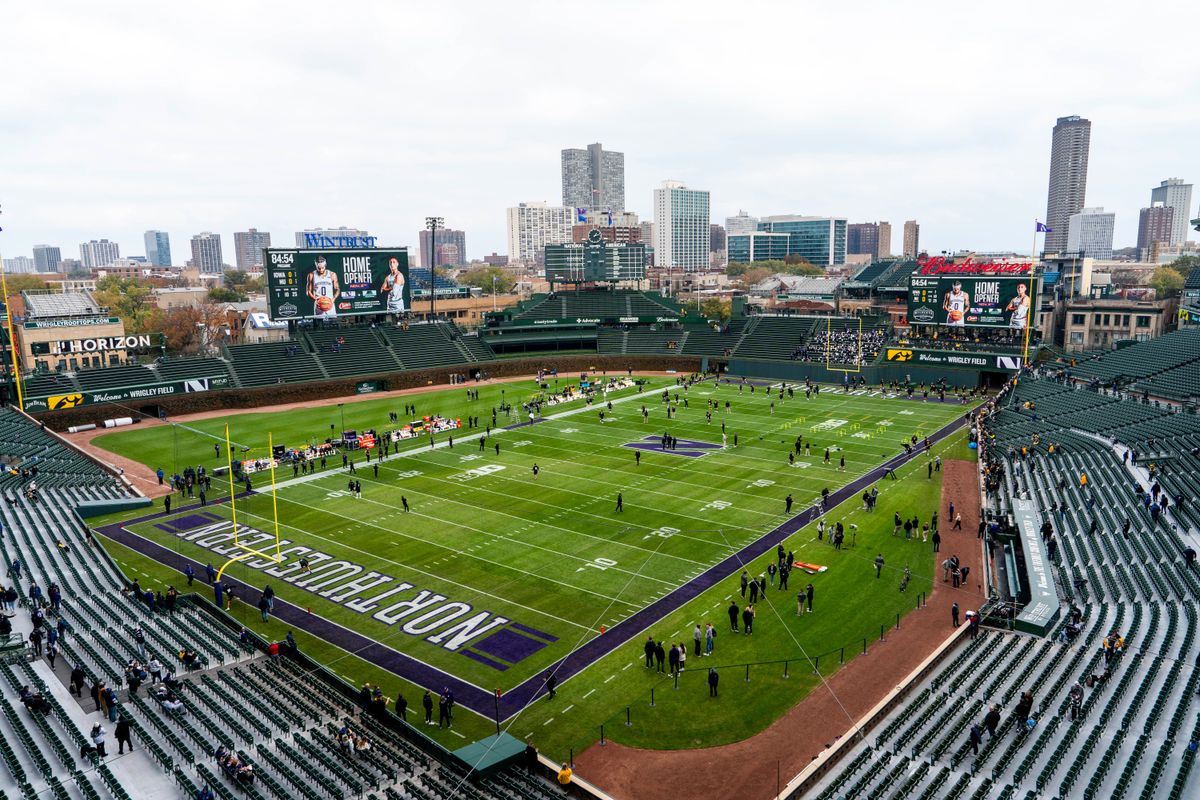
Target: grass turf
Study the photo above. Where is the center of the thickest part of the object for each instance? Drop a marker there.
(552, 552)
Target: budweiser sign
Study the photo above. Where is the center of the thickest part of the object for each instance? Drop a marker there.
(944, 266)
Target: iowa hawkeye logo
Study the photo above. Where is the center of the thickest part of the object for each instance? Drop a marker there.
(60, 401)
(899, 355)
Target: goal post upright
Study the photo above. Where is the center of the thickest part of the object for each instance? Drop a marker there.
(232, 490)
(274, 497)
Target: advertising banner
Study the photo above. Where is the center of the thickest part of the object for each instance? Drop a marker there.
(65, 400)
(327, 284)
(953, 358)
(969, 302)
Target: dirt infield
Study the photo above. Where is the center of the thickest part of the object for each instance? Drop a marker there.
(748, 769)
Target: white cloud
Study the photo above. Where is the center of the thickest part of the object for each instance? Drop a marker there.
(125, 116)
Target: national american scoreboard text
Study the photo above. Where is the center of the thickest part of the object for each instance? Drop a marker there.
(978, 301)
(327, 284)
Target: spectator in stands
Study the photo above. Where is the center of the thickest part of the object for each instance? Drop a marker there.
(97, 737)
(402, 706)
(34, 701)
(531, 756)
(123, 737)
(1024, 709)
(1076, 697)
(78, 680)
(991, 720)
(564, 777)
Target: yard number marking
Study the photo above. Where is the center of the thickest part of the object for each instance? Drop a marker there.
(665, 532)
(598, 563)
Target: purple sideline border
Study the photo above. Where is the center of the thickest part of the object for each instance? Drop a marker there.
(473, 697)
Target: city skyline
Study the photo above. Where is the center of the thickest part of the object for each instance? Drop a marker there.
(945, 147)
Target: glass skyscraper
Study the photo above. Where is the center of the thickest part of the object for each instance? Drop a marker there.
(821, 241)
(158, 248)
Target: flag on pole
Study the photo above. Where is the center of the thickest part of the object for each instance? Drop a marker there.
(1043, 228)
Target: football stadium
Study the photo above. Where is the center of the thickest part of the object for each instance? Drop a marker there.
(811, 555)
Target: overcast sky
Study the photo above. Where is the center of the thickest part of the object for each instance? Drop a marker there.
(117, 117)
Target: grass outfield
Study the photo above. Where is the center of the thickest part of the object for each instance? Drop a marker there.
(552, 555)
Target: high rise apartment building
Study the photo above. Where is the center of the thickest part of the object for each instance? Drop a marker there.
(593, 178)
(1090, 233)
(206, 253)
(454, 255)
(532, 226)
(1154, 230)
(1068, 178)
(248, 247)
(46, 258)
(98, 253)
(1176, 194)
(912, 239)
(682, 238)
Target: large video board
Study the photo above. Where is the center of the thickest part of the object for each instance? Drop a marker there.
(969, 302)
(327, 284)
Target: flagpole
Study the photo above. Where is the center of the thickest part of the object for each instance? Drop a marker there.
(1029, 316)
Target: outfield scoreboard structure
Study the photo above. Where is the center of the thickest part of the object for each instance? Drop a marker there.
(595, 260)
(327, 284)
(972, 301)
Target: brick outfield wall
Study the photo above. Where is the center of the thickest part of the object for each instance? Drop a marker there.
(275, 394)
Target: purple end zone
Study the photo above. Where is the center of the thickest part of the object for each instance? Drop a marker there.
(533, 631)
(484, 660)
(509, 645)
(162, 526)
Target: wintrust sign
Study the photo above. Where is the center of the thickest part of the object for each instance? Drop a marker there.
(944, 266)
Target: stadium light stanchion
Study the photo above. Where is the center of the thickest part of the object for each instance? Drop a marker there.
(628, 720)
(432, 224)
(652, 697)
(842, 657)
(881, 629)
(864, 652)
(785, 669)
(602, 740)
(897, 622)
(676, 680)
(747, 673)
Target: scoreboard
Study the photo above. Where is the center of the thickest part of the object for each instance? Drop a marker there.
(327, 284)
(973, 302)
(595, 260)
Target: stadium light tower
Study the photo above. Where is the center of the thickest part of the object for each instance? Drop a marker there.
(432, 224)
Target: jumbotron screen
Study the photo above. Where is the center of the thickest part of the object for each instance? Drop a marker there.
(327, 284)
(957, 301)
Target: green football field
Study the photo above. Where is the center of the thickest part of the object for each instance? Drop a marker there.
(546, 561)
